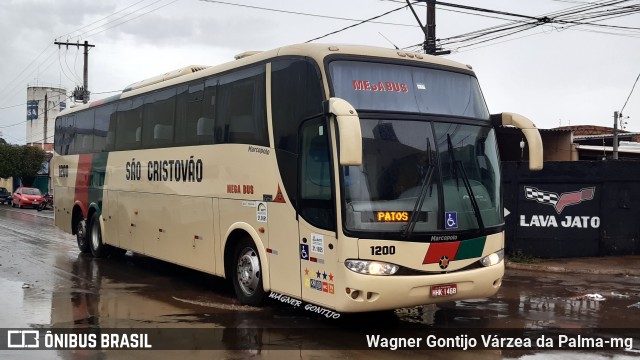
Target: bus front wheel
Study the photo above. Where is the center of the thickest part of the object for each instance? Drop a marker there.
(247, 276)
(81, 236)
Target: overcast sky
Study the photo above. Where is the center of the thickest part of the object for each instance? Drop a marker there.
(554, 74)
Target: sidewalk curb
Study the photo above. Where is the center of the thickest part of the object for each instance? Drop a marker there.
(566, 270)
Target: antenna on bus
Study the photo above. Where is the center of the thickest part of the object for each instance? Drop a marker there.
(394, 45)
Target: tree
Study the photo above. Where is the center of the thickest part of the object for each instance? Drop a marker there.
(31, 159)
(20, 161)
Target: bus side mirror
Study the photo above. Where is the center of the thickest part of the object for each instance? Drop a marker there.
(350, 135)
(530, 132)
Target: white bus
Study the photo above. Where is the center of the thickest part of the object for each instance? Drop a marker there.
(350, 177)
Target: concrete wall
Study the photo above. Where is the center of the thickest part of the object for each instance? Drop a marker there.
(572, 208)
(557, 145)
(7, 183)
(36, 112)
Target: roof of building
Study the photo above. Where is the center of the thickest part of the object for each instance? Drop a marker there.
(512, 128)
(600, 136)
(622, 149)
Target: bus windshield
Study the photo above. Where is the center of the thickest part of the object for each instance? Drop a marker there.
(425, 174)
(390, 87)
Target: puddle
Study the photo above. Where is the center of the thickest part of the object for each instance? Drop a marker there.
(23, 306)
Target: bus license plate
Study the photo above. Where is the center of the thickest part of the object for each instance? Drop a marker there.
(444, 290)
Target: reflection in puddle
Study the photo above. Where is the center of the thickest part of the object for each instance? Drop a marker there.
(537, 303)
(216, 305)
(419, 314)
(23, 305)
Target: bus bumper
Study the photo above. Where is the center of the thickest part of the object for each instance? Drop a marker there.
(374, 293)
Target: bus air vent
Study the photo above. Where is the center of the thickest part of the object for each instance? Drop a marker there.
(246, 54)
(164, 77)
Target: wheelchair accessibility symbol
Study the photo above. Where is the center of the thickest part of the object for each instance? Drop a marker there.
(304, 251)
(451, 220)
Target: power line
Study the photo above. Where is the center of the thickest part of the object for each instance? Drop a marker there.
(62, 68)
(5, 94)
(25, 121)
(634, 86)
(16, 124)
(559, 17)
(131, 19)
(360, 23)
(104, 18)
(303, 13)
(25, 69)
(11, 85)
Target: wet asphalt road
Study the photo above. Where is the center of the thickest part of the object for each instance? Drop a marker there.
(46, 282)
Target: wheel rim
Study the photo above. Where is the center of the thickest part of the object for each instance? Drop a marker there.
(248, 271)
(96, 237)
(81, 230)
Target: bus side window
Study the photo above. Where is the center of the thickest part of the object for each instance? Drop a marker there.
(205, 123)
(57, 138)
(316, 194)
(189, 109)
(104, 130)
(69, 132)
(296, 95)
(241, 108)
(159, 114)
(129, 124)
(84, 131)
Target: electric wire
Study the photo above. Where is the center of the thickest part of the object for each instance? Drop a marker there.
(104, 18)
(303, 13)
(633, 87)
(7, 87)
(565, 19)
(131, 19)
(357, 24)
(40, 140)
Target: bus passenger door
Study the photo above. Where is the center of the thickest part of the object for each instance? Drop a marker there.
(317, 236)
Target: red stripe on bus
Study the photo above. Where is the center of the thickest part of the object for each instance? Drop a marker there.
(82, 182)
(438, 250)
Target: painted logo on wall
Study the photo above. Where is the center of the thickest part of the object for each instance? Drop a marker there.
(559, 202)
(32, 110)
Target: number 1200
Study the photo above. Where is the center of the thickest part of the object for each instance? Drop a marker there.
(383, 250)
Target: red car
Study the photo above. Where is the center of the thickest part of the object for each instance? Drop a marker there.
(26, 196)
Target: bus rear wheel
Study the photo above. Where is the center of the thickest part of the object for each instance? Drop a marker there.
(81, 236)
(98, 248)
(247, 275)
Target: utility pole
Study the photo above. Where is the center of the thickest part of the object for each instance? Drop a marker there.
(430, 39)
(615, 135)
(82, 93)
(46, 118)
(429, 29)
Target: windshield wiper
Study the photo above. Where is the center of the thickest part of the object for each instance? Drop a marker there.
(467, 185)
(427, 178)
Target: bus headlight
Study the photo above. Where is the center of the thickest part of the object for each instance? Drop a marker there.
(493, 259)
(371, 267)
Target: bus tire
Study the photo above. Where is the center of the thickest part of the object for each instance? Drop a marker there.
(98, 248)
(81, 237)
(247, 273)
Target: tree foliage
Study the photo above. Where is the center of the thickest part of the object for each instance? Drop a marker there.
(20, 161)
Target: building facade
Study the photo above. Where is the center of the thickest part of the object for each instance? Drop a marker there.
(43, 105)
